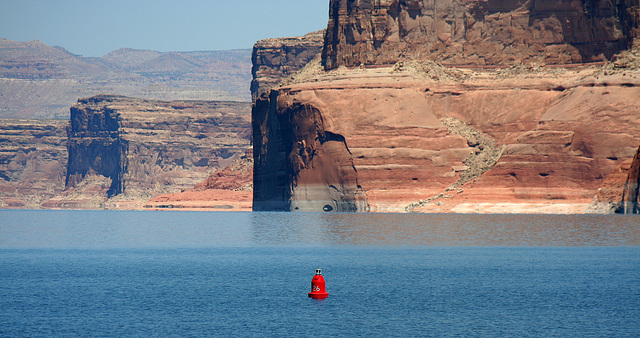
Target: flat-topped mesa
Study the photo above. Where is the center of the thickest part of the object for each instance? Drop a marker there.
(95, 144)
(478, 32)
(426, 137)
(145, 147)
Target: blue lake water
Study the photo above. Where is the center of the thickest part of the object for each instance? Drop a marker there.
(105, 273)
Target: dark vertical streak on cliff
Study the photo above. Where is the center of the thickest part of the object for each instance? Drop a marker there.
(270, 176)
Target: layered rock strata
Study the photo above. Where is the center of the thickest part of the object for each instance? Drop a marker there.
(556, 133)
(33, 158)
(135, 149)
(499, 128)
(277, 59)
(478, 32)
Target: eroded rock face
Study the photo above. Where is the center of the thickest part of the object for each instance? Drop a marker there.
(33, 157)
(478, 32)
(301, 164)
(95, 144)
(631, 196)
(145, 148)
(619, 190)
(555, 133)
(277, 59)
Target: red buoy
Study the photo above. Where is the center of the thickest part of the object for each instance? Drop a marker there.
(317, 286)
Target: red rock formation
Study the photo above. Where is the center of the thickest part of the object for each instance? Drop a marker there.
(619, 191)
(477, 32)
(227, 178)
(631, 196)
(608, 198)
(238, 176)
(300, 164)
(559, 133)
(423, 137)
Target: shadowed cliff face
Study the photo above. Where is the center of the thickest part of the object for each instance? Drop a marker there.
(478, 32)
(95, 146)
(300, 166)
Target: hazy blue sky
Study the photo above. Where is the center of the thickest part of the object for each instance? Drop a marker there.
(96, 27)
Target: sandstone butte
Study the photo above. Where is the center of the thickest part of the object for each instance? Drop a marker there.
(118, 153)
(458, 106)
(123, 151)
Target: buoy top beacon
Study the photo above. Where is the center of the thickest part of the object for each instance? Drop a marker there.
(318, 290)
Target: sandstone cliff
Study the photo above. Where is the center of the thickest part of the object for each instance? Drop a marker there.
(33, 158)
(478, 32)
(124, 151)
(276, 59)
(556, 136)
(300, 164)
(631, 196)
(419, 136)
(619, 190)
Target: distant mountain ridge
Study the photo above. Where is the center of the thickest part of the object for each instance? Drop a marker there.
(41, 81)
